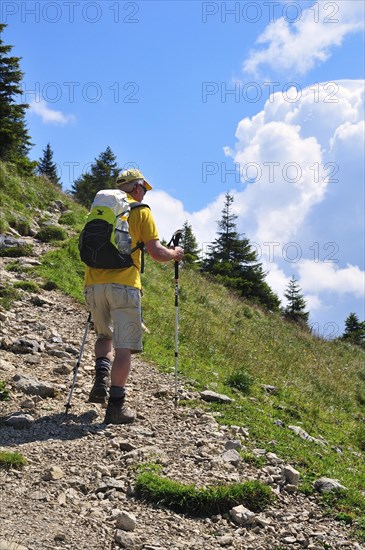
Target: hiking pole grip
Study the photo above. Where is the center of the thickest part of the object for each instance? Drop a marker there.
(175, 241)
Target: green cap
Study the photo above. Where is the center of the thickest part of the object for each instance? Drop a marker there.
(127, 176)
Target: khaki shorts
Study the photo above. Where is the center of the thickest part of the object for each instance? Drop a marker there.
(116, 313)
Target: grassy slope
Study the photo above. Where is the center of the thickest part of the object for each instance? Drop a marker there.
(22, 200)
(320, 384)
(25, 200)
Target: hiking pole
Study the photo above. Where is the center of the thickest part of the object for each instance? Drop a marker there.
(175, 241)
(76, 369)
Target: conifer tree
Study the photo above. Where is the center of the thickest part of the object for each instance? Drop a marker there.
(354, 330)
(234, 262)
(14, 138)
(295, 308)
(102, 175)
(47, 167)
(190, 245)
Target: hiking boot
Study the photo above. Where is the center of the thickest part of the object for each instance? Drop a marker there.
(99, 391)
(118, 413)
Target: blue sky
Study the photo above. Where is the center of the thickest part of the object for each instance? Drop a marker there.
(262, 99)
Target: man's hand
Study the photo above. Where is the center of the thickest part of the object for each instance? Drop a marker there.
(179, 253)
(161, 253)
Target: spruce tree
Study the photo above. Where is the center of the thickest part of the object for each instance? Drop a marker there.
(190, 245)
(354, 330)
(47, 167)
(14, 138)
(234, 262)
(102, 175)
(295, 308)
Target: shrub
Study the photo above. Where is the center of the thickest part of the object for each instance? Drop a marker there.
(247, 312)
(345, 518)
(22, 225)
(9, 459)
(51, 233)
(8, 295)
(50, 285)
(360, 437)
(241, 380)
(14, 266)
(31, 286)
(360, 396)
(67, 218)
(21, 249)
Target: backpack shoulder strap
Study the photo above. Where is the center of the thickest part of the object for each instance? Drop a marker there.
(138, 205)
(139, 245)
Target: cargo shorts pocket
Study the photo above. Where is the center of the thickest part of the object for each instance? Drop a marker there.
(89, 297)
(118, 296)
(134, 297)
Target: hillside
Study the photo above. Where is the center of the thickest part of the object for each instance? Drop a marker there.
(285, 385)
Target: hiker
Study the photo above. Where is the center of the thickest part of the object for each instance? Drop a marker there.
(113, 297)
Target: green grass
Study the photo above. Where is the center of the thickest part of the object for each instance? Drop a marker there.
(63, 269)
(15, 267)
(17, 251)
(8, 295)
(4, 392)
(51, 233)
(29, 286)
(23, 200)
(214, 499)
(240, 379)
(9, 459)
(69, 218)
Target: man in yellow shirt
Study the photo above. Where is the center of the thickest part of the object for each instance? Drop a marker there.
(113, 297)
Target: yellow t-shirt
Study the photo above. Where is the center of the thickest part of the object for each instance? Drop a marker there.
(142, 228)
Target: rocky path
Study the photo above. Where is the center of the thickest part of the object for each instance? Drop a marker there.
(76, 491)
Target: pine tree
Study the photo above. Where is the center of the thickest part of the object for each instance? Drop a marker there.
(190, 245)
(295, 308)
(234, 262)
(14, 138)
(354, 330)
(47, 167)
(102, 175)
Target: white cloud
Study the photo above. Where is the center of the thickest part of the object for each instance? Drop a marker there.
(297, 47)
(350, 135)
(313, 303)
(276, 277)
(321, 217)
(48, 115)
(290, 144)
(319, 276)
(279, 281)
(168, 213)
